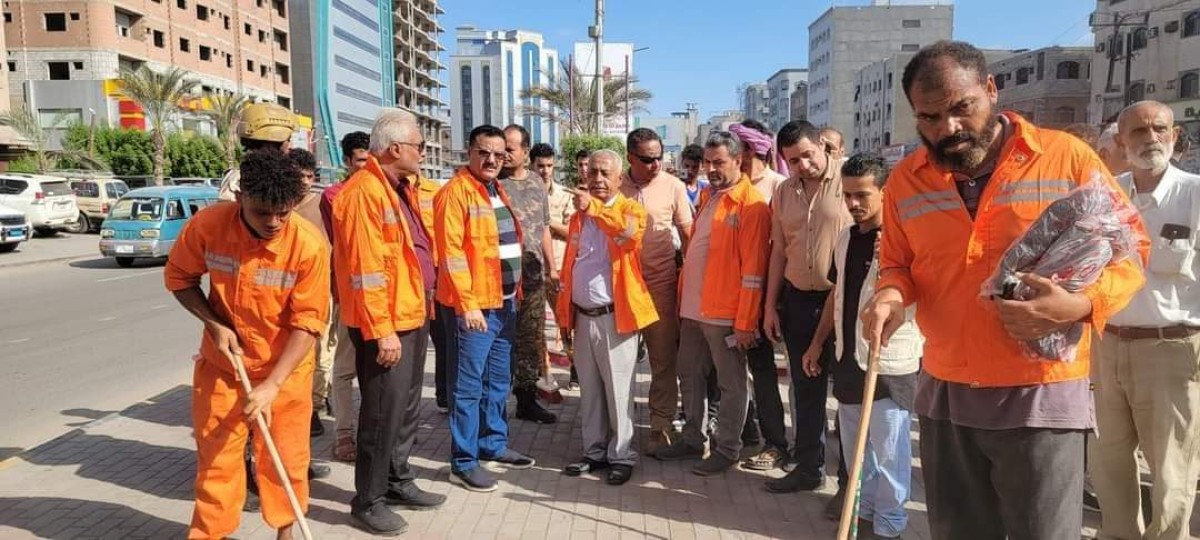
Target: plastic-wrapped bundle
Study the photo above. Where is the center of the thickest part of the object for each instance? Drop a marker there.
(1071, 243)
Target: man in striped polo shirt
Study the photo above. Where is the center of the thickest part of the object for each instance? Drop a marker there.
(477, 297)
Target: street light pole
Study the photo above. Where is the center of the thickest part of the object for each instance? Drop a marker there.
(597, 32)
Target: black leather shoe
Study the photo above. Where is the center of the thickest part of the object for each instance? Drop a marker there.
(411, 496)
(584, 466)
(530, 410)
(795, 481)
(619, 474)
(379, 520)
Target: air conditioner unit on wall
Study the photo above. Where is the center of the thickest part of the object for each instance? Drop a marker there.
(1154, 32)
(1150, 88)
(1171, 27)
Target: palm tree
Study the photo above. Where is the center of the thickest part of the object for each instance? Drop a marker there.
(158, 94)
(571, 101)
(37, 138)
(225, 109)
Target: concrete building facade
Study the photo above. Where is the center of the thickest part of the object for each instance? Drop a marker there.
(1165, 63)
(717, 122)
(65, 57)
(617, 62)
(1048, 86)
(755, 99)
(354, 58)
(488, 72)
(844, 40)
(882, 115)
(780, 87)
(800, 102)
(676, 131)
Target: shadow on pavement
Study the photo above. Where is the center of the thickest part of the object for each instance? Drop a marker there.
(89, 415)
(160, 471)
(8, 451)
(106, 263)
(61, 518)
(170, 408)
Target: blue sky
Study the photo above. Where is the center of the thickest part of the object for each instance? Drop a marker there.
(702, 50)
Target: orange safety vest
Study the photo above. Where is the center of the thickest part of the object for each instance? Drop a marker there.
(936, 256)
(624, 223)
(467, 239)
(738, 251)
(264, 289)
(426, 190)
(378, 273)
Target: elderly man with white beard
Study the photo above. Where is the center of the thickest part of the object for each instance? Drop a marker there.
(1147, 390)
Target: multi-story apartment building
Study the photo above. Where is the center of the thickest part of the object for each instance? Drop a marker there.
(755, 99)
(800, 102)
(489, 71)
(64, 55)
(1048, 86)
(1157, 42)
(844, 40)
(780, 87)
(882, 115)
(354, 59)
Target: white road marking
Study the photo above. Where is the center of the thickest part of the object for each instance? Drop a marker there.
(22, 340)
(128, 276)
(106, 319)
(159, 306)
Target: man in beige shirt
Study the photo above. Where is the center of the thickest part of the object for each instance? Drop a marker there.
(807, 214)
(667, 208)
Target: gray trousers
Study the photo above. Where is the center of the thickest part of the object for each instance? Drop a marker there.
(605, 361)
(702, 349)
(1020, 484)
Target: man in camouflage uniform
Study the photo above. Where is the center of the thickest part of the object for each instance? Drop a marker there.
(527, 191)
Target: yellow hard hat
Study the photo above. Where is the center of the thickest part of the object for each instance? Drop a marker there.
(269, 122)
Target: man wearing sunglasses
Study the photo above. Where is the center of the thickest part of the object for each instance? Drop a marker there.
(667, 207)
(531, 206)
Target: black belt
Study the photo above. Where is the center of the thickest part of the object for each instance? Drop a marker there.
(593, 312)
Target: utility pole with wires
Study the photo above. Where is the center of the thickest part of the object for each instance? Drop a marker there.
(596, 32)
(1120, 47)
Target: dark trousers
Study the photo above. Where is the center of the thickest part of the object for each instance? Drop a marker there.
(1023, 484)
(387, 419)
(799, 314)
(767, 405)
(437, 334)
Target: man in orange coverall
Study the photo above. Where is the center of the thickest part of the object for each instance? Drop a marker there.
(268, 301)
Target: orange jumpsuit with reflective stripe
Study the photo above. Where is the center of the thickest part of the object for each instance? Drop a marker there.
(265, 289)
(733, 286)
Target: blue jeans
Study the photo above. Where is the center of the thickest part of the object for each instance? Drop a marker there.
(478, 378)
(887, 465)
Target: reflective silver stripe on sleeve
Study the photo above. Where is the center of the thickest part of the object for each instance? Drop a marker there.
(389, 216)
(220, 263)
(1037, 184)
(627, 234)
(1036, 196)
(936, 196)
(457, 264)
(374, 280)
(732, 220)
(270, 277)
(478, 212)
(752, 282)
(923, 209)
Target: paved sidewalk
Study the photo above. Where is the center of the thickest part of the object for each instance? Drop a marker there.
(130, 476)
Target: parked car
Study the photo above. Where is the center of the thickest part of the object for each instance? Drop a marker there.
(47, 201)
(137, 182)
(14, 228)
(145, 222)
(210, 182)
(94, 197)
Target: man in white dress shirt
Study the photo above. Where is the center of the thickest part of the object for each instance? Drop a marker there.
(1148, 381)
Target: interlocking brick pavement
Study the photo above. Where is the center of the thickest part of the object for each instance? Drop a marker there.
(129, 476)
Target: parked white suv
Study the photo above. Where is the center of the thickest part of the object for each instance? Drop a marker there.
(48, 201)
(14, 228)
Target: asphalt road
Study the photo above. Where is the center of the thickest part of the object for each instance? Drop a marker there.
(82, 339)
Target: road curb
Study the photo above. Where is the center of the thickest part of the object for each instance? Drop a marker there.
(67, 258)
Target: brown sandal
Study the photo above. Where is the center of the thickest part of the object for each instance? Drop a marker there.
(344, 450)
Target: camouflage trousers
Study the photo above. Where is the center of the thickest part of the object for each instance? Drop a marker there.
(530, 345)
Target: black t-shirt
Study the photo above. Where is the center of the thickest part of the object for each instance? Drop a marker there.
(848, 379)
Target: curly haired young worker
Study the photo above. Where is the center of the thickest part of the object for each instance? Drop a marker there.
(268, 300)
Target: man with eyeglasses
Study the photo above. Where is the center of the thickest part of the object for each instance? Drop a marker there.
(668, 208)
(479, 245)
(527, 191)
